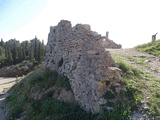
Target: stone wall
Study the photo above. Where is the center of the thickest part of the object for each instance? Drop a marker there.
(76, 52)
(107, 43)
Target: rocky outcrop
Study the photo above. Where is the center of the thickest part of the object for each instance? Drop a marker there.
(76, 52)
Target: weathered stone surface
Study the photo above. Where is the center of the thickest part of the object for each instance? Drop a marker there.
(64, 95)
(76, 53)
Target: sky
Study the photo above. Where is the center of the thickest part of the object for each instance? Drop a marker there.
(129, 22)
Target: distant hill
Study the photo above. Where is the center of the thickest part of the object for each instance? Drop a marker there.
(151, 48)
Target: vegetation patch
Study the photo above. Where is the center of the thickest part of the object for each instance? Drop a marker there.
(117, 111)
(20, 101)
(151, 48)
(140, 61)
(139, 86)
(128, 69)
(13, 52)
(109, 95)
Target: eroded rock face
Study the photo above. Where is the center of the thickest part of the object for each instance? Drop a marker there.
(76, 53)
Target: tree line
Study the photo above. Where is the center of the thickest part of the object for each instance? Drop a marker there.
(13, 52)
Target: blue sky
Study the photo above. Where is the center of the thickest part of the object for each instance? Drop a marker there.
(129, 22)
(16, 13)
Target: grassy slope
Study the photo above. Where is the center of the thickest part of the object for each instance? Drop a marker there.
(19, 102)
(151, 48)
(154, 101)
(136, 81)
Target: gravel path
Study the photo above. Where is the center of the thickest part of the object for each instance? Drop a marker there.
(5, 83)
(152, 62)
(146, 62)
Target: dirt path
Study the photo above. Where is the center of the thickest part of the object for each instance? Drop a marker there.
(147, 62)
(5, 84)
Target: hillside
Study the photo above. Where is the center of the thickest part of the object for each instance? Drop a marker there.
(38, 97)
(47, 95)
(150, 48)
(34, 96)
(148, 81)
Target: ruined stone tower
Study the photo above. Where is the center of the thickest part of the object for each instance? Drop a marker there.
(75, 52)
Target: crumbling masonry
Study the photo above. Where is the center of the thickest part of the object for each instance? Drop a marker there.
(76, 52)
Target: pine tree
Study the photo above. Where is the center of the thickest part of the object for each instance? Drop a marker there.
(31, 53)
(20, 54)
(25, 49)
(41, 51)
(2, 43)
(2, 56)
(14, 50)
(36, 50)
(9, 59)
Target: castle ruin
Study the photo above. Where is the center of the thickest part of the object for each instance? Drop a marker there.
(76, 52)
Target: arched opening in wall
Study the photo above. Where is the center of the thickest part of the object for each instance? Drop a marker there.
(54, 31)
(60, 63)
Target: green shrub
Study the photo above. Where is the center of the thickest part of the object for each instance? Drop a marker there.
(119, 112)
(157, 94)
(15, 105)
(63, 82)
(47, 108)
(109, 95)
